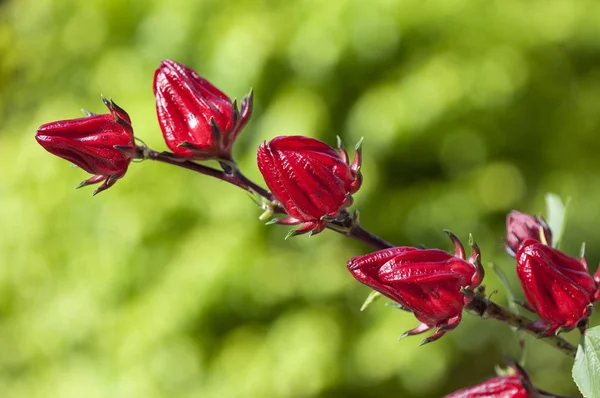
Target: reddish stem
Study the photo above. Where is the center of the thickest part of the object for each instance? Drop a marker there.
(343, 226)
(486, 308)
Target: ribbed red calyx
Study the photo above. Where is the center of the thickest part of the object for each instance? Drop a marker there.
(197, 120)
(498, 387)
(102, 145)
(312, 181)
(427, 282)
(516, 384)
(557, 286)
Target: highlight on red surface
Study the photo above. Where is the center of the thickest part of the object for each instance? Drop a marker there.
(198, 121)
(558, 287)
(102, 145)
(426, 282)
(312, 181)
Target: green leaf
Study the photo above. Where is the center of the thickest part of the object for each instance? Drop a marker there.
(511, 294)
(372, 297)
(586, 370)
(556, 215)
(515, 308)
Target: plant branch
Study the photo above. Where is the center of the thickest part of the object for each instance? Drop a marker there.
(344, 225)
(547, 394)
(484, 307)
(349, 225)
(236, 178)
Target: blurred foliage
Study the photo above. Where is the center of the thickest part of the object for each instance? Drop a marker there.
(167, 284)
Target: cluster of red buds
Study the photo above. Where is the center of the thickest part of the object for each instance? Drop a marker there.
(558, 287)
(311, 185)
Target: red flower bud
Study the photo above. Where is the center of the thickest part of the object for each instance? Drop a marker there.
(312, 181)
(558, 287)
(498, 387)
(102, 145)
(198, 121)
(427, 282)
(517, 385)
(521, 226)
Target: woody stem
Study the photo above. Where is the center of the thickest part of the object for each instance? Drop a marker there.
(546, 394)
(163, 157)
(235, 177)
(349, 226)
(360, 234)
(486, 308)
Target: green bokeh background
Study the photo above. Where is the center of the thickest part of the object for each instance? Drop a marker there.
(167, 285)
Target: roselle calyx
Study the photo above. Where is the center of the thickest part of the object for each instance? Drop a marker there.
(312, 181)
(558, 287)
(521, 226)
(198, 121)
(515, 385)
(102, 145)
(426, 282)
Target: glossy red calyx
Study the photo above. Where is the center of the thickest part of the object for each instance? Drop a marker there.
(427, 282)
(102, 145)
(498, 387)
(312, 181)
(517, 385)
(557, 286)
(197, 120)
